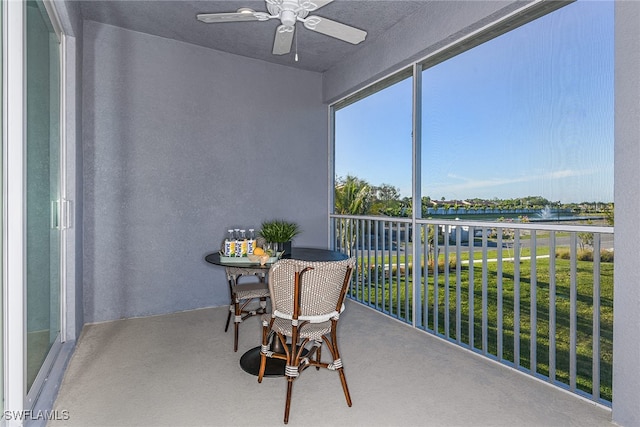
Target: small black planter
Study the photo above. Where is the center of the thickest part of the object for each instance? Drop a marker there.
(284, 246)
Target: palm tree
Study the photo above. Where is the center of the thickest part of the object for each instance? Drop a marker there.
(352, 196)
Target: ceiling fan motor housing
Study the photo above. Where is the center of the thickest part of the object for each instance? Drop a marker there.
(288, 11)
(288, 18)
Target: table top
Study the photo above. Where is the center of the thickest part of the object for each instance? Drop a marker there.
(304, 254)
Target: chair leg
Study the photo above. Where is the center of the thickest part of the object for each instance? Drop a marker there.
(318, 356)
(345, 388)
(226, 327)
(236, 326)
(333, 348)
(288, 403)
(263, 357)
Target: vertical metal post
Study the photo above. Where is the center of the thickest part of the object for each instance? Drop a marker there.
(416, 211)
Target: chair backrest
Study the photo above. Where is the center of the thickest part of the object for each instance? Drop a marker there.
(323, 285)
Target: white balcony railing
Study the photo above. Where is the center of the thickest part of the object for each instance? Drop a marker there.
(536, 297)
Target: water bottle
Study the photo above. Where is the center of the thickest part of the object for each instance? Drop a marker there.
(241, 244)
(251, 242)
(229, 244)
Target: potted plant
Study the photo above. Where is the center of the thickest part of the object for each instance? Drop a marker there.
(280, 233)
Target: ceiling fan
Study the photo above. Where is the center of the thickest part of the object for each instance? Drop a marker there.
(289, 12)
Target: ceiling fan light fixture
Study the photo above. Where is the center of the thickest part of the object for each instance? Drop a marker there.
(246, 10)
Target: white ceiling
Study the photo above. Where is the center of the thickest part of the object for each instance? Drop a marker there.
(177, 20)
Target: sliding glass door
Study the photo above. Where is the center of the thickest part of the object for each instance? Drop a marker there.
(43, 187)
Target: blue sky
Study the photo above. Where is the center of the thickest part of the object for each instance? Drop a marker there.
(529, 113)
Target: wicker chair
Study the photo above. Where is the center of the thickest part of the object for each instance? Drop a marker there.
(243, 294)
(307, 299)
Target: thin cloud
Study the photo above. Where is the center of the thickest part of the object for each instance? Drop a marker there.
(474, 184)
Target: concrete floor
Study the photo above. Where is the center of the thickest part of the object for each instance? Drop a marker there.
(180, 370)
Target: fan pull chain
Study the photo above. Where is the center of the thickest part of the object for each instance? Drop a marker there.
(296, 56)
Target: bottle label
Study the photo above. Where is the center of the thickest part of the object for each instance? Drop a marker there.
(251, 245)
(229, 248)
(241, 248)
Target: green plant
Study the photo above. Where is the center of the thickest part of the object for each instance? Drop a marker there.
(606, 255)
(279, 231)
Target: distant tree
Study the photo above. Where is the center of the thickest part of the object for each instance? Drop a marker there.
(608, 214)
(586, 239)
(387, 192)
(386, 201)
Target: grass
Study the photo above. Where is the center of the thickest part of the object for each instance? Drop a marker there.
(390, 296)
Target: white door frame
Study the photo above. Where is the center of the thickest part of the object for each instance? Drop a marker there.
(14, 211)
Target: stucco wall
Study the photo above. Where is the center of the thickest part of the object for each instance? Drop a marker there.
(626, 325)
(181, 143)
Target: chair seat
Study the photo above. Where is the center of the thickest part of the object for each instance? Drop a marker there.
(313, 331)
(251, 290)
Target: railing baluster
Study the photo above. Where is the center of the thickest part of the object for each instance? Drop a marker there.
(397, 265)
(425, 275)
(533, 305)
(386, 279)
(445, 312)
(367, 238)
(408, 290)
(595, 367)
(500, 314)
(516, 298)
(472, 292)
(573, 312)
(376, 265)
(485, 315)
(436, 278)
(459, 286)
(552, 306)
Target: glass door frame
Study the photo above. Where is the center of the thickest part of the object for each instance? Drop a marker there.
(34, 391)
(14, 274)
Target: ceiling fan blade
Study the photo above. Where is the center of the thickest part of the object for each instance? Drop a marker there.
(312, 5)
(283, 40)
(335, 29)
(214, 18)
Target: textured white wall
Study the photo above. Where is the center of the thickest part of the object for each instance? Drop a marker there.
(181, 143)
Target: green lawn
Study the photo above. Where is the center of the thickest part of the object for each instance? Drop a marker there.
(390, 296)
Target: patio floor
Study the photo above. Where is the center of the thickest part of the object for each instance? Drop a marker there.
(180, 370)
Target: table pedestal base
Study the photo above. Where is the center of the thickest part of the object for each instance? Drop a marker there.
(250, 363)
